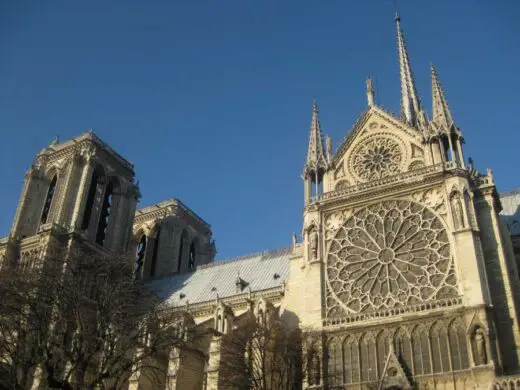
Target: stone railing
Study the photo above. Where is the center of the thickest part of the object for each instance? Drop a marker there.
(509, 382)
(408, 177)
(432, 305)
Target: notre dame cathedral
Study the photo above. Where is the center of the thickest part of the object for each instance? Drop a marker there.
(405, 273)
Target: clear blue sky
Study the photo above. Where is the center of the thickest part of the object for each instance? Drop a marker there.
(211, 100)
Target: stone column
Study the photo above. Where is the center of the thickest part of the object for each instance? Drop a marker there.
(461, 156)
(81, 198)
(25, 199)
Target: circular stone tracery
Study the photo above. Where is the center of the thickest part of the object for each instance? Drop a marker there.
(376, 158)
(390, 254)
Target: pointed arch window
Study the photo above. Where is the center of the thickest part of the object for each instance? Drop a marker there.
(191, 260)
(335, 370)
(106, 208)
(368, 359)
(155, 252)
(91, 196)
(350, 360)
(403, 350)
(48, 200)
(421, 351)
(139, 256)
(458, 346)
(181, 249)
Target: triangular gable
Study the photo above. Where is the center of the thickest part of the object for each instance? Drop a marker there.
(399, 148)
(394, 375)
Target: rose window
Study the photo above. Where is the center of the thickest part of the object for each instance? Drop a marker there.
(377, 158)
(391, 254)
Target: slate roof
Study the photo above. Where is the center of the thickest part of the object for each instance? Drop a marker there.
(260, 271)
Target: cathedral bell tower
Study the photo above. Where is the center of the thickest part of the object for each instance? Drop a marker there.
(79, 188)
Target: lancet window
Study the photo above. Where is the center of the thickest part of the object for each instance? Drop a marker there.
(155, 252)
(458, 345)
(421, 351)
(48, 200)
(191, 260)
(91, 196)
(335, 363)
(106, 208)
(139, 256)
(181, 250)
(364, 359)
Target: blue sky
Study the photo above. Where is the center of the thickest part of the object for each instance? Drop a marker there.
(211, 100)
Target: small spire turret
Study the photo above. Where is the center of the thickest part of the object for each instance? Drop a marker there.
(316, 159)
(441, 114)
(317, 162)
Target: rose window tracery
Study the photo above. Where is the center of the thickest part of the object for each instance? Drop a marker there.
(377, 158)
(386, 255)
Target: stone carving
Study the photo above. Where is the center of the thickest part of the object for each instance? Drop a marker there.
(340, 185)
(417, 164)
(313, 244)
(390, 254)
(479, 347)
(457, 211)
(376, 158)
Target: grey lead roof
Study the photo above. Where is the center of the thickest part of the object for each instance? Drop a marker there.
(260, 271)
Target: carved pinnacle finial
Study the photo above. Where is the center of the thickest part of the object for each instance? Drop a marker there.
(370, 92)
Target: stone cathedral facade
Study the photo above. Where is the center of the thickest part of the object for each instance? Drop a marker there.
(404, 277)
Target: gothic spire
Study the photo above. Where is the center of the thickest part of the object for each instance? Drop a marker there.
(440, 110)
(410, 103)
(316, 159)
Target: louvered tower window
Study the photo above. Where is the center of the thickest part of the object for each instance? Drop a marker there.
(90, 201)
(105, 214)
(48, 200)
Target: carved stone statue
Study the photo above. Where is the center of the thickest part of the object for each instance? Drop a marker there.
(480, 347)
(294, 240)
(313, 244)
(458, 212)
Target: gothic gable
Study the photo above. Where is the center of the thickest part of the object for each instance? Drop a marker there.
(380, 145)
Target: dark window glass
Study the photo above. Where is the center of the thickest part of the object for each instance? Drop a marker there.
(48, 200)
(90, 202)
(105, 213)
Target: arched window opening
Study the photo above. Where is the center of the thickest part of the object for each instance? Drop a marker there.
(181, 248)
(351, 361)
(382, 351)
(459, 350)
(421, 351)
(440, 353)
(368, 359)
(403, 351)
(105, 213)
(48, 200)
(155, 252)
(91, 196)
(191, 260)
(139, 256)
(335, 367)
(446, 146)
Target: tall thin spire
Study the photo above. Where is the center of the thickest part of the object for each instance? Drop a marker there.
(440, 110)
(370, 92)
(315, 154)
(410, 103)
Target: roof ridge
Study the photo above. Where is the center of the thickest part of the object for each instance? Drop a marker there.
(244, 257)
